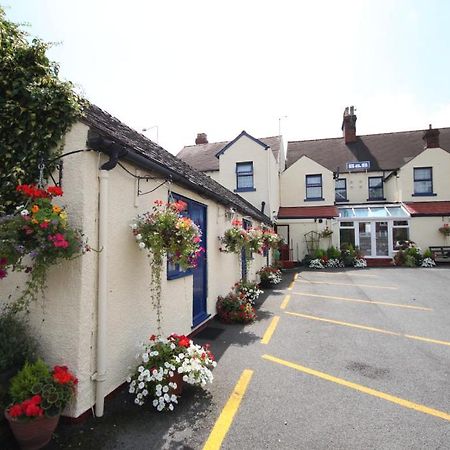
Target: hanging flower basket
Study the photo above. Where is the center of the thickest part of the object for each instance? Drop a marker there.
(445, 230)
(165, 232)
(270, 238)
(326, 233)
(36, 237)
(235, 238)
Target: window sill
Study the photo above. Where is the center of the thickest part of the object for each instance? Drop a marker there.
(425, 194)
(245, 190)
(378, 199)
(341, 201)
(318, 199)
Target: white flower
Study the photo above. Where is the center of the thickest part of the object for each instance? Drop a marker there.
(141, 245)
(160, 407)
(155, 403)
(171, 407)
(133, 226)
(158, 387)
(140, 369)
(131, 390)
(165, 389)
(145, 357)
(145, 392)
(138, 237)
(167, 397)
(136, 400)
(172, 346)
(173, 398)
(128, 379)
(141, 385)
(24, 212)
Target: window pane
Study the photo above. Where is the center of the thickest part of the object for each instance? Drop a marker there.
(400, 223)
(361, 212)
(340, 184)
(244, 167)
(346, 212)
(313, 179)
(245, 181)
(378, 212)
(376, 182)
(346, 224)
(341, 195)
(313, 192)
(347, 236)
(423, 173)
(397, 211)
(422, 187)
(375, 193)
(400, 235)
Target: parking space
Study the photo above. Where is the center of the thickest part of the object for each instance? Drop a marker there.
(351, 359)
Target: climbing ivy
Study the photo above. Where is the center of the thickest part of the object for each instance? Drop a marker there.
(36, 109)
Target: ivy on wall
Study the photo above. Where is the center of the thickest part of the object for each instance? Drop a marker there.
(36, 110)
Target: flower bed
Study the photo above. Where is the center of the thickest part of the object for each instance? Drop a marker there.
(269, 276)
(235, 309)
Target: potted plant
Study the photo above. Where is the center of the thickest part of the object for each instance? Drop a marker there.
(165, 363)
(445, 230)
(269, 276)
(234, 238)
(270, 238)
(234, 308)
(247, 290)
(39, 394)
(165, 232)
(36, 237)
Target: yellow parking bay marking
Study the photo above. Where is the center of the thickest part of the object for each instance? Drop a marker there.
(350, 284)
(338, 322)
(340, 274)
(357, 300)
(295, 276)
(225, 419)
(270, 329)
(285, 302)
(291, 285)
(364, 327)
(358, 387)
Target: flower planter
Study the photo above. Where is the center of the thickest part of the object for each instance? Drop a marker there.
(35, 433)
(177, 378)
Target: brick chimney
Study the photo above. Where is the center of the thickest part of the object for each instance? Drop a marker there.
(431, 137)
(349, 125)
(201, 139)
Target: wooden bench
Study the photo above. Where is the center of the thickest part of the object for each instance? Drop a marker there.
(441, 253)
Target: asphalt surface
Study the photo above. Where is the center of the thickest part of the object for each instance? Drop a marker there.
(288, 408)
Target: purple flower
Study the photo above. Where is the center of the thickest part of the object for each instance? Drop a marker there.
(3, 273)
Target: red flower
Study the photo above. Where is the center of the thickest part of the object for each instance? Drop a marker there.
(152, 337)
(55, 191)
(36, 399)
(62, 375)
(184, 341)
(15, 410)
(3, 273)
(33, 410)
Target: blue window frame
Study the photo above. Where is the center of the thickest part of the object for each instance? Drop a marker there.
(314, 187)
(244, 177)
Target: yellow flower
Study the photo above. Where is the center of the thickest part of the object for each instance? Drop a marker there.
(63, 215)
(56, 209)
(34, 221)
(35, 208)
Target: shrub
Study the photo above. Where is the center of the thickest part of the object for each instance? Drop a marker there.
(333, 253)
(16, 345)
(427, 254)
(30, 375)
(320, 253)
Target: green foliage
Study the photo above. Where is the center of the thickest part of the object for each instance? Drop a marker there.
(16, 345)
(427, 254)
(333, 253)
(320, 253)
(23, 384)
(36, 109)
(409, 257)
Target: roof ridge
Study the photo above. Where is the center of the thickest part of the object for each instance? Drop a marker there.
(366, 135)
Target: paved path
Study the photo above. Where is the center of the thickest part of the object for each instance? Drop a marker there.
(337, 360)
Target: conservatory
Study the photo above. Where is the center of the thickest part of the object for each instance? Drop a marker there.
(378, 230)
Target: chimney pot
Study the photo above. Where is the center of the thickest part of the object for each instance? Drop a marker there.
(349, 125)
(431, 137)
(201, 138)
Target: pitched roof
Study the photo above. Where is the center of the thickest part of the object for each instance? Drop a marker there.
(138, 144)
(385, 151)
(203, 157)
(307, 212)
(428, 208)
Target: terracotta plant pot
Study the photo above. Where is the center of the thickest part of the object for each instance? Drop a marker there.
(33, 434)
(177, 378)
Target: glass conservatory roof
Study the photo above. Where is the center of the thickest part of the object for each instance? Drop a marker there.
(373, 212)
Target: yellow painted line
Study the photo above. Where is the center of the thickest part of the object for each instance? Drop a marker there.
(433, 341)
(285, 302)
(347, 324)
(295, 276)
(358, 387)
(270, 329)
(225, 419)
(357, 300)
(364, 327)
(291, 285)
(353, 274)
(350, 284)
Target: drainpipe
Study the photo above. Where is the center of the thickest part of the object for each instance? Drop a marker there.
(102, 294)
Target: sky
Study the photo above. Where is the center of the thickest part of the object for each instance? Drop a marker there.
(220, 67)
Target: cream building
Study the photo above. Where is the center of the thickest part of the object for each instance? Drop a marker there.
(371, 191)
(97, 308)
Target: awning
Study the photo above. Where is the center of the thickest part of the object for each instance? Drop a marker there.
(373, 212)
(428, 208)
(307, 212)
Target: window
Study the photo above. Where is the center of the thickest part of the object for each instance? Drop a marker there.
(376, 188)
(314, 187)
(244, 176)
(347, 234)
(400, 233)
(341, 190)
(423, 181)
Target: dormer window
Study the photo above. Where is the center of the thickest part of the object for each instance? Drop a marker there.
(244, 176)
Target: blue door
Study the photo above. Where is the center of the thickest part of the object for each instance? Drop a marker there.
(197, 212)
